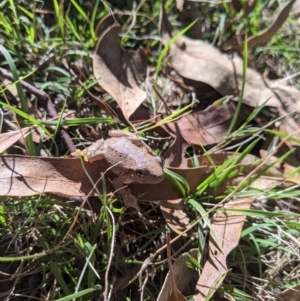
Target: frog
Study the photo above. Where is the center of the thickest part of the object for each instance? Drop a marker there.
(129, 158)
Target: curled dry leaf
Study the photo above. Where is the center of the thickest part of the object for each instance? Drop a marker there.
(199, 61)
(105, 23)
(249, 6)
(174, 156)
(227, 228)
(183, 274)
(175, 294)
(120, 72)
(268, 33)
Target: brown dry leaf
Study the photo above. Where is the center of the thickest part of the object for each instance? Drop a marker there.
(289, 98)
(249, 6)
(10, 138)
(290, 294)
(185, 277)
(290, 163)
(268, 33)
(296, 8)
(105, 23)
(9, 85)
(26, 176)
(120, 72)
(175, 215)
(199, 61)
(174, 156)
(174, 294)
(206, 127)
(227, 227)
(291, 172)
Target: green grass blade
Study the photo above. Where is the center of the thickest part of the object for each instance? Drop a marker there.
(91, 254)
(180, 183)
(240, 102)
(81, 293)
(73, 29)
(27, 118)
(59, 17)
(14, 10)
(93, 20)
(28, 141)
(7, 26)
(77, 121)
(206, 219)
(58, 277)
(80, 10)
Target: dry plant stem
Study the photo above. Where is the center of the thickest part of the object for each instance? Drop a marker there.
(178, 82)
(142, 289)
(102, 105)
(162, 99)
(111, 254)
(287, 78)
(46, 102)
(144, 266)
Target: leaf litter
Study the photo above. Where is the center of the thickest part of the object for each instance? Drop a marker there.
(121, 73)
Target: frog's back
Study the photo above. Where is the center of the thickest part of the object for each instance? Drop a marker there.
(133, 161)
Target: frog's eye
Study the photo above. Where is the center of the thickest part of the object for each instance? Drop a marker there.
(140, 173)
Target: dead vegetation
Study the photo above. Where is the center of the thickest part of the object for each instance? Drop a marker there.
(222, 224)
